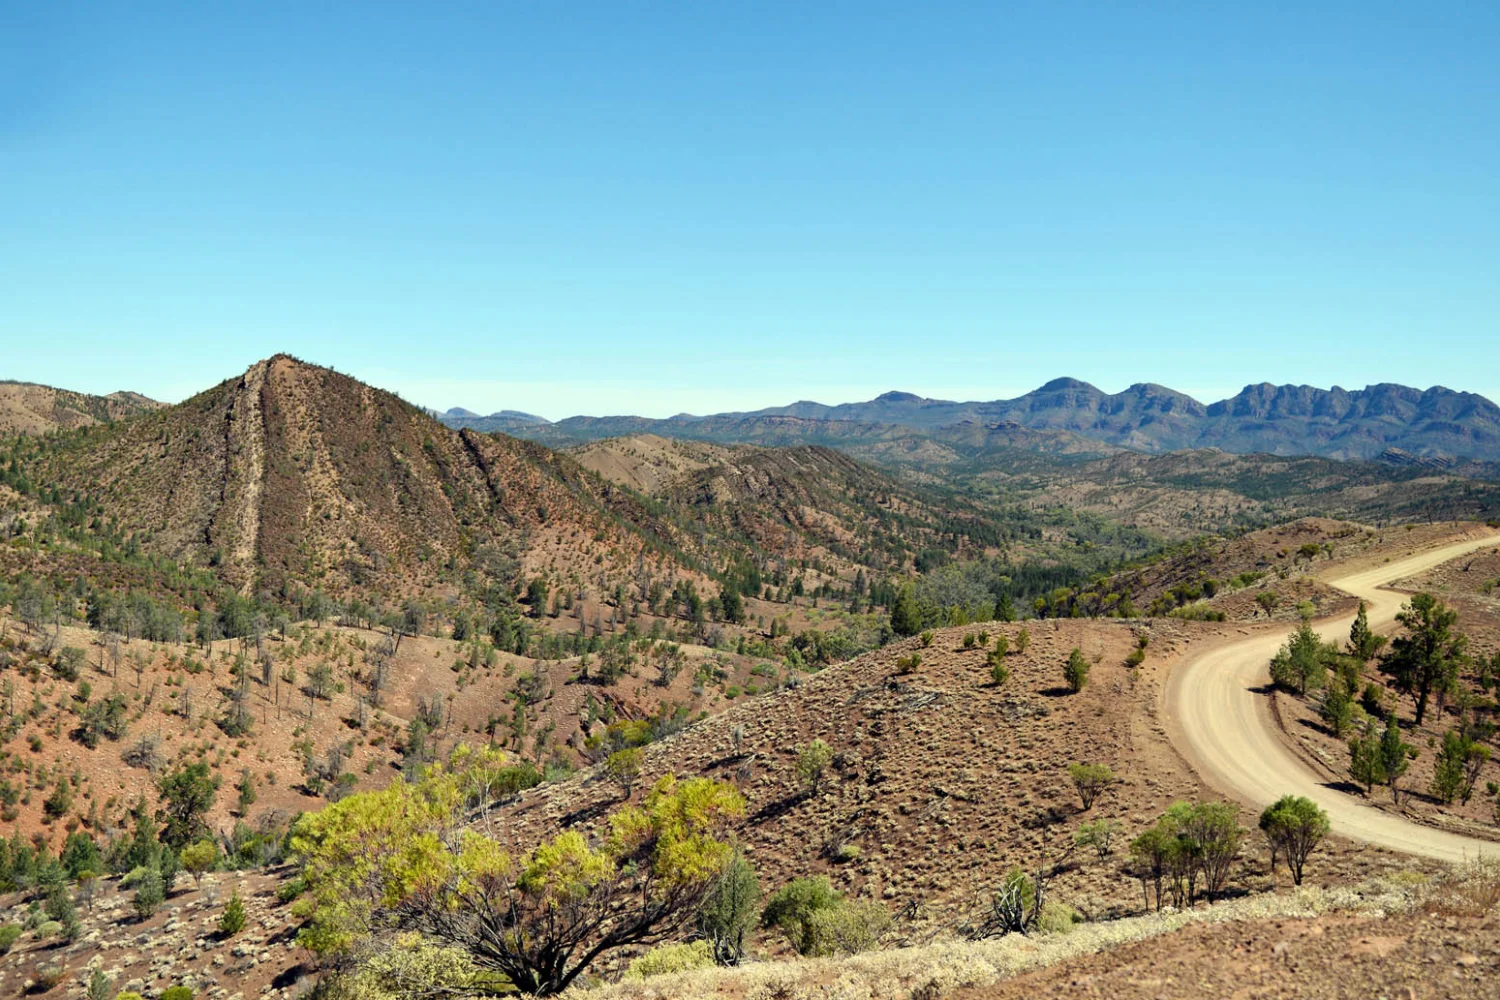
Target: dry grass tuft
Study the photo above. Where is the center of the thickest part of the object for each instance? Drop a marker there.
(1471, 890)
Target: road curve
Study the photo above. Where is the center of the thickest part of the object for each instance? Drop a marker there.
(1226, 729)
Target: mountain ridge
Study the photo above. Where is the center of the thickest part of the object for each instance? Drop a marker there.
(31, 408)
(1436, 423)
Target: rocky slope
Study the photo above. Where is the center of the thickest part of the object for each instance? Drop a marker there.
(295, 473)
(26, 408)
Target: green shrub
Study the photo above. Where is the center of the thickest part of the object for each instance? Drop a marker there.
(149, 894)
(668, 958)
(1076, 671)
(790, 910)
(926, 638)
(48, 929)
(909, 663)
(176, 993)
(1099, 834)
(8, 935)
(848, 928)
(290, 889)
(1057, 918)
(999, 672)
(232, 920)
(812, 764)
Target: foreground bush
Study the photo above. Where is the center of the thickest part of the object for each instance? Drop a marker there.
(406, 858)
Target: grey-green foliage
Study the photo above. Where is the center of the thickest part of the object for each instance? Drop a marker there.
(100, 986)
(791, 908)
(149, 894)
(960, 586)
(730, 911)
(848, 928)
(1189, 843)
(1099, 834)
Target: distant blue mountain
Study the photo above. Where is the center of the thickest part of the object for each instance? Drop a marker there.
(1437, 424)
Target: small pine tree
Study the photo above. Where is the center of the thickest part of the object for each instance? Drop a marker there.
(232, 920)
(1337, 709)
(905, 618)
(246, 789)
(149, 894)
(1363, 643)
(1364, 758)
(1076, 671)
(1395, 755)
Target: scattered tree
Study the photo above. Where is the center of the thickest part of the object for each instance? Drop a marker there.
(1363, 643)
(812, 765)
(1090, 780)
(1099, 834)
(624, 768)
(1293, 826)
(1425, 661)
(1395, 756)
(730, 910)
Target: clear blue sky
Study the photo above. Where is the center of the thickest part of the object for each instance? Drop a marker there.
(642, 207)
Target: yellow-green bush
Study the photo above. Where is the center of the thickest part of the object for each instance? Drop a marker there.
(675, 957)
(848, 928)
(1057, 918)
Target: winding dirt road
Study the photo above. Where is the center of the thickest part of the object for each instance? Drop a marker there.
(1225, 727)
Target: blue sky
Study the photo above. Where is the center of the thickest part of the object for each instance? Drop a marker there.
(652, 208)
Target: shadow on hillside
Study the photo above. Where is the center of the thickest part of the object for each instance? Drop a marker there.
(1047, 818)
(1318, 727)
(1058, 691)
(777, 808)
(287, 978)
(1347, 787)
(586, 814)
(727, 759)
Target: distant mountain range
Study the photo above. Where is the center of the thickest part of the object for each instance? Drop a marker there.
(1389, 422)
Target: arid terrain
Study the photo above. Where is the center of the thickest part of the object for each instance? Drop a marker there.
(294, 594)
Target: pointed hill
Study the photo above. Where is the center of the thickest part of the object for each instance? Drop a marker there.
(296, 473)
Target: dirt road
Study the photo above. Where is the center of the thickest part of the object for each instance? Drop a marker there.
(1225, 727)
